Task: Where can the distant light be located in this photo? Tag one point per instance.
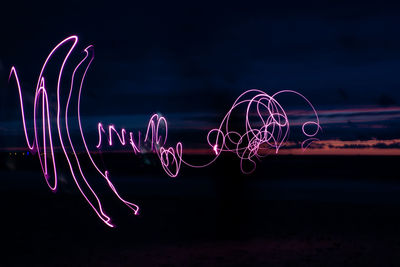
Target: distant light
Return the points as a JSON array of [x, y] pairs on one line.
[[15, 153], [27, 153], [23, 153], [215, 149]]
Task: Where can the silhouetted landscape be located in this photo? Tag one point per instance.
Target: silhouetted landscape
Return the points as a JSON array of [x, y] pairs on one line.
[[317, 215]]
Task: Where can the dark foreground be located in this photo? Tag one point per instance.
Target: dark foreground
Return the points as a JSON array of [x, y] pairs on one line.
[[294, 211]]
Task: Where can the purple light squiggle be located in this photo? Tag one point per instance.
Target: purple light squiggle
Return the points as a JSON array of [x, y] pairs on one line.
[[265, 127], [156, 134], [41, 92]]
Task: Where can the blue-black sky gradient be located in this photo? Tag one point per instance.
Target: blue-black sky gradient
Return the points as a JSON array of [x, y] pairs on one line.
[[189, 61]]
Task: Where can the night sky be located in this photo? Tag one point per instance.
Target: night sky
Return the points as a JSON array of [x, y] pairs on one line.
[[335, 204], [189, 62]]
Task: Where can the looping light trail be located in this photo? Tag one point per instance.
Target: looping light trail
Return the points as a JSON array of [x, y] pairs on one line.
[[265, 127]]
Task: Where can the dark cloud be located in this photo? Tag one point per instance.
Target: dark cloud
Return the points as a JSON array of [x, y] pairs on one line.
[[384, 145]]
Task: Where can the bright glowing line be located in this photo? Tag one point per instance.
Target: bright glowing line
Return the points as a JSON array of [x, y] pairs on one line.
[[156, 134], [41, 92], [248, 143], [254, 139]]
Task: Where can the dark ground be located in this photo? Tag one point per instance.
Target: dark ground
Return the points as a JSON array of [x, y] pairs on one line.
[[293, 211]]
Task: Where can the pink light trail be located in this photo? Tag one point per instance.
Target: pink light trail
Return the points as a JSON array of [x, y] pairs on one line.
[[248, 143]]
